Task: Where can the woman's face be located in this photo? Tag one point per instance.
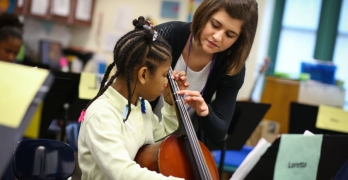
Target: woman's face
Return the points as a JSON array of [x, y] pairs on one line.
[[9, 49], [220, 32]]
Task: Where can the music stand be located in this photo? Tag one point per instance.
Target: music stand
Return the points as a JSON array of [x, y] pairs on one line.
[[333, 155], [246, 117], [304, 117], [63, 91], [11, 135], [76, 108]]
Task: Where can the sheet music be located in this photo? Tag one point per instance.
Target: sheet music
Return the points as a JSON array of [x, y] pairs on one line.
[[88, 87], [83, 10], [33, 128], [251, 159], [332, 118], [16, 96], [61, 7], [298, 157], [39, 7]]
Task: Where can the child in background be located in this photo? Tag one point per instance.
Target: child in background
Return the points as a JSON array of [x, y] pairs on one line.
[[119, 120], [10, 37]]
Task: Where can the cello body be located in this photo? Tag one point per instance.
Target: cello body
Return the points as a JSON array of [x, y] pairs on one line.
[[180, 154], [170, 158]]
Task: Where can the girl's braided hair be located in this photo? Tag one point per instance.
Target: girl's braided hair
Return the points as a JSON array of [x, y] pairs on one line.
[[139, 47]]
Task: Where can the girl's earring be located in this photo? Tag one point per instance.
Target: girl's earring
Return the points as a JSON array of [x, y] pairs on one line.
[[229, 52]]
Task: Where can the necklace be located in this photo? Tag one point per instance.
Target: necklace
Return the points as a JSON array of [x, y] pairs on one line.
[[210, 70]]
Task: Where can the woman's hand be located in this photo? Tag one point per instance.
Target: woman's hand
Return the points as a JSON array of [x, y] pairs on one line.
[[195, 101], [180, 78]]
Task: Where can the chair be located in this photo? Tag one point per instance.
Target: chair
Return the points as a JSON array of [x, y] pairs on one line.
[[342, 172], [43, 159], [231, 158]]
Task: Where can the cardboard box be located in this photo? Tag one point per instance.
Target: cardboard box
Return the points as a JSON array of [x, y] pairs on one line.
[[266, 129]]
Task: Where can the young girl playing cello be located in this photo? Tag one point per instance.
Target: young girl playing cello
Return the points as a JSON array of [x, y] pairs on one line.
[[119, 120]]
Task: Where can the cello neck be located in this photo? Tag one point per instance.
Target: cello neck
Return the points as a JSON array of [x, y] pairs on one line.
[[185, 125]]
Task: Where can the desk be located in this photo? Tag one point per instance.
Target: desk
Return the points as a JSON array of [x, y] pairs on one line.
[[281, 92]]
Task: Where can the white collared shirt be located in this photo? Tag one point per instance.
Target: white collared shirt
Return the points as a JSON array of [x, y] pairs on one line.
[[107, 146]]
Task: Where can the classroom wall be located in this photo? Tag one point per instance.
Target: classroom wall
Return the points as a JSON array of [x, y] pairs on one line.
[[114, 18], [36, 30], [259, 50], [108, 24]]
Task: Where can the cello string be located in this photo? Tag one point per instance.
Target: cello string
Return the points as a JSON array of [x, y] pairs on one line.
[[196, 146], [184, 111], [190, 129], [187, 118]]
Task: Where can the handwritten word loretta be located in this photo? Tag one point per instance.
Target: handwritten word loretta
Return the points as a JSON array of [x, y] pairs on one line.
[[297, 165]]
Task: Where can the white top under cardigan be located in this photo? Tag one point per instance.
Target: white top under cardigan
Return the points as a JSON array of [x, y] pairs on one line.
[[197, 80], [107, 146]]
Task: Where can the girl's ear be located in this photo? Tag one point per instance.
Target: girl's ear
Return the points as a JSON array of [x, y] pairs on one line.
[[143, 75]]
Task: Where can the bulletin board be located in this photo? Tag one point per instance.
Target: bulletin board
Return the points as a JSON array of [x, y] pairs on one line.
[[170, 9], [193, 5]]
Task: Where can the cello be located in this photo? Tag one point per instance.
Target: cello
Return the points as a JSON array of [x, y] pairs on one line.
[[179, 154]]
